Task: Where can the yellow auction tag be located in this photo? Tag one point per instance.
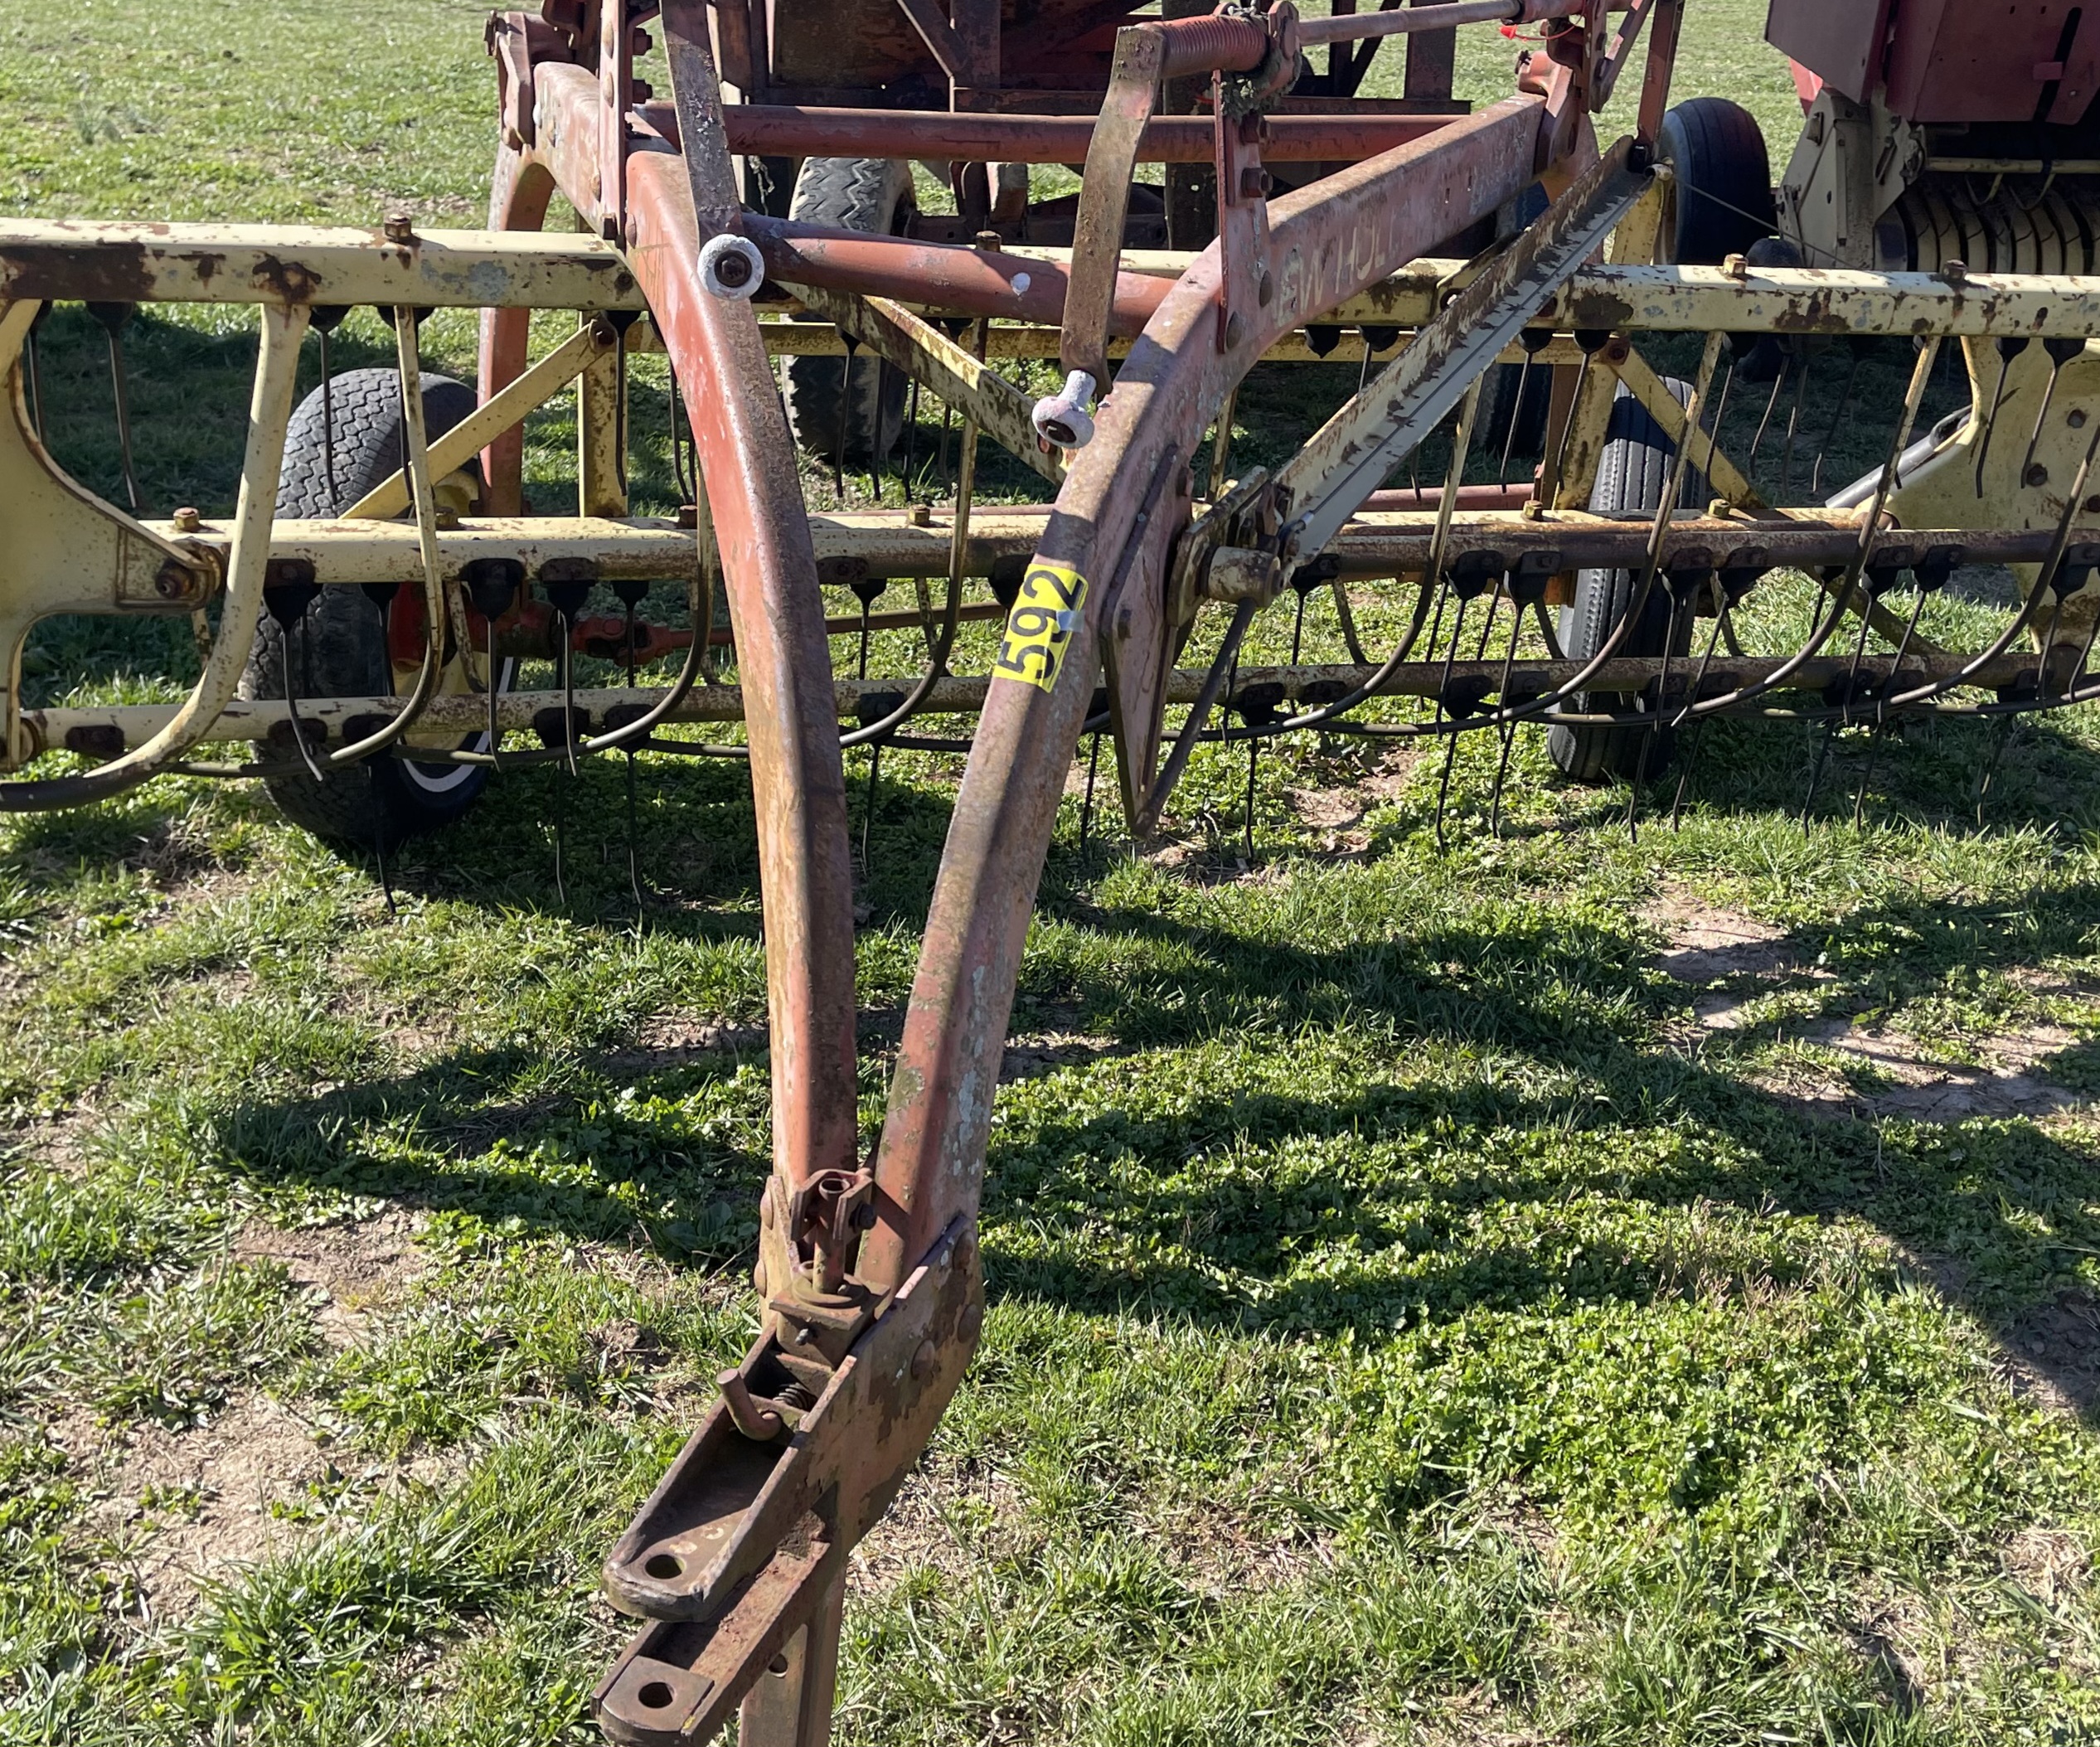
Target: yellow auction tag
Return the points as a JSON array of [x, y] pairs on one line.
[[1045, 614]]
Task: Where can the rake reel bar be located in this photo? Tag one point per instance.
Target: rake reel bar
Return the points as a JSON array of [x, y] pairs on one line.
[[869, 1275]]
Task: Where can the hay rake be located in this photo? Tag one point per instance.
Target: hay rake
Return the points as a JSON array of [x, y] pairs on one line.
[[381, 528]]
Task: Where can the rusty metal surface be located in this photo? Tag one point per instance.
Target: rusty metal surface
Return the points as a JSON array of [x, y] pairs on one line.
[[755, 497], [1329, 241], [1350, 456], [792, 130]]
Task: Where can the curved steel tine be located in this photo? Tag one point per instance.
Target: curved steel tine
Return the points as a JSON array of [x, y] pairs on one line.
[[2061, 350], [2009, 346], [845, 411], [1837, 418], [1655, 728], [32, 373], [1881, 711], [1793, 425], [911, 441], [1516, 418], [1772, 401], [1508, 729]]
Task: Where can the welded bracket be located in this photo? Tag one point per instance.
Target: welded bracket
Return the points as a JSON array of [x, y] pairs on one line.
[[745, 1538]]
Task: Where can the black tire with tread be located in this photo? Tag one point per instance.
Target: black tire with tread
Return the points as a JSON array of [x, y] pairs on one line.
[[340, 649], [1724, 199], [1632, 473], [872, 195]]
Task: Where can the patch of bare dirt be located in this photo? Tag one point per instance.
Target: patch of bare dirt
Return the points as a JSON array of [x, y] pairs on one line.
[[1730, 958], [194, 1502], [1036, 1054], [947, 1520], [1918, 1089], [1338, 813], [2048, 1564], [355, 1267]]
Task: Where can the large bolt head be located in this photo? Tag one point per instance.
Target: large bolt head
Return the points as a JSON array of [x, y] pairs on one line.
[[731, 267]]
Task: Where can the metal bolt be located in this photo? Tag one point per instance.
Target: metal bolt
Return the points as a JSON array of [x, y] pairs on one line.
[[987, 239], [1954, 272], [447, 518], [2037, 475], [1737, 267], [187, 520], [688, 515], [921, 515], [1264, 289], [922, 1361], [1235, 328], [400, 228], [172, 580], [2076, 421]]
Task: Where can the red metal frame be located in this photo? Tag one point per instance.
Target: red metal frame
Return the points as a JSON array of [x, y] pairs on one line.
[[847, 1249]]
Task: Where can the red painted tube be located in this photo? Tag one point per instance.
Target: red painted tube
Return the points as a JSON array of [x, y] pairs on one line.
[[944, 275], [788, 130]]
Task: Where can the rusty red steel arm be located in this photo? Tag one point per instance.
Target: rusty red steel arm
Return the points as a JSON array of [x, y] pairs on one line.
[[945, 275], [1123, 501], [761, 529], [787, 130]]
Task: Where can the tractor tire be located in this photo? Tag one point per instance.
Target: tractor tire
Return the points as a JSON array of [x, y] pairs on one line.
[[1722, 200], [1632, 473], [873, 195], [341, 648]]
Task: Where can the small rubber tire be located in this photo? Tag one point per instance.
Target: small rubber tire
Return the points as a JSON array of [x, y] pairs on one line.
[[872, 195], [1722, 201], [1632, 473], [340, 650]]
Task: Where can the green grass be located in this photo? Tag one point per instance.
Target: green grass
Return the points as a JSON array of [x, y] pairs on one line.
[[1407, 1323]]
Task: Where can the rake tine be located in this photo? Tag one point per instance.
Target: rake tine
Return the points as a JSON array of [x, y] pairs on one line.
[[1253, 757], [1516, 418], [113, 317], [1816, 772], [867, 812], [1881, 713], [1837, 418], [911, 440], [560, 807], [379, 838], [2009, 346], [1450, 740], [875, 435], [1655, 728], [1772, 401], [1509, 729], [1793, 424], [1086, 806], [32, 374], [2061, 350]]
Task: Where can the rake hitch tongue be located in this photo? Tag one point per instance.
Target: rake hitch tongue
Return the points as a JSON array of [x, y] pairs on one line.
[[1129, 597]]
